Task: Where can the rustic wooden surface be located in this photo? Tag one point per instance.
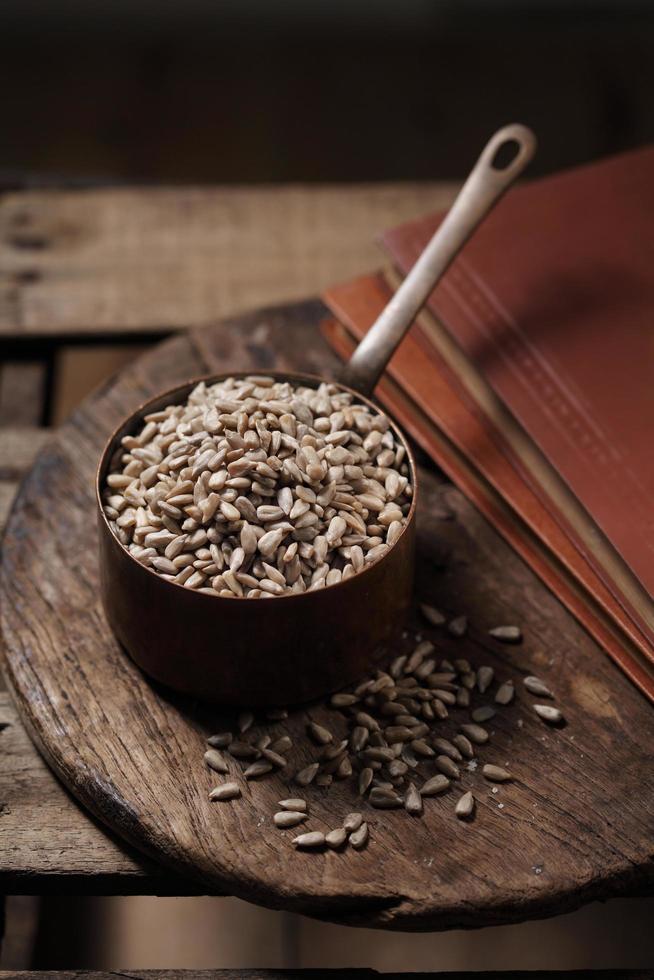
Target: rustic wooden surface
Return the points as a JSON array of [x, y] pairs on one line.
[[50, 844], [323, 975], [576, 824], [137, 260]]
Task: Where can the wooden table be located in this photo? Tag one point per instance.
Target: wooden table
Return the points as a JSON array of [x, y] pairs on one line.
[[84, 267]]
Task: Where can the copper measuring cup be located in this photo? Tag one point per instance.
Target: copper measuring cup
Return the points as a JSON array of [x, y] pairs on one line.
[[292, 648]]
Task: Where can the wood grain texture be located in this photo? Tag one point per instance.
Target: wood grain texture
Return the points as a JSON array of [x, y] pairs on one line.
[[576, 824], [150, 259], [50, 844], [18, 448], [324, 975]]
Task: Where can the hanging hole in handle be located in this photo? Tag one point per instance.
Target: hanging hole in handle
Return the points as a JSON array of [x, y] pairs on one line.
[[506, 154]]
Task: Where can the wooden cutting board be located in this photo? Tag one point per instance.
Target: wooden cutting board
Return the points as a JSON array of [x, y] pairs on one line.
[[576, 824]]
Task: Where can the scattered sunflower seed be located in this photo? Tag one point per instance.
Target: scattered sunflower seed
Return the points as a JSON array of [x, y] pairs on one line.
[[243, 750], [431, 614], [435, 785], [365, 779], [484, 713], [226, 791], [447, 767], [475, 733], [549, 714], [293, 804], [319, 734], [505, 693], [313, 839], [288, 818], [506, 634], [496, 774], [535, 686], [245, 721], [220, 741], [256, 769], [413, 801], [485, 677], [214, 759], [359, 838], [464, 745], [384, 799], [306, 775], [465, 806], [336, 838], [458, 626], [352, 822]]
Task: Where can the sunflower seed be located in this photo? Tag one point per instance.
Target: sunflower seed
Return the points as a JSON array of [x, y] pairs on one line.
[[549, 714], [319, 734], [413, 801], [214, 759], [445, 765], [496, 774], [421, 748], [294, 804], [311, 840], [281, 745], [343, 700], [447, 748], [465, 806], [485, 677], [352, 822], [220, 741], [245, 721], [464, 745], [336, 838], [226, 791], [273, 757], [383, 799], [431, 614], [365, 779], [359, 838], [505, 693], [458, 626], [256, 769], [435, 785], [243, 750], [306, 775], [359, 738], [475, 733], [506, 634], [484, 713], [535, 686], [288, 818]]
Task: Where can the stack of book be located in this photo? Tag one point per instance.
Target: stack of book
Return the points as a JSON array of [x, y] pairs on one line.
[[529, 379]]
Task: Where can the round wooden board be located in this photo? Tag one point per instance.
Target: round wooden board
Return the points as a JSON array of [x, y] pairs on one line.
[[576, 824]]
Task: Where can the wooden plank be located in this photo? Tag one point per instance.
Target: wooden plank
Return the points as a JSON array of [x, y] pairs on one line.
[[22, 390], [575, 824], [49, 843], [18, 447], [348, 974], [80, 263]]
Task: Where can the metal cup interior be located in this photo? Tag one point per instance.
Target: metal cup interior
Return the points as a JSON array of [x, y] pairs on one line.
[[282, 650]]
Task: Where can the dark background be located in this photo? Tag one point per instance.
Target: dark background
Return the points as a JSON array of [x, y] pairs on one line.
[[301, 90]]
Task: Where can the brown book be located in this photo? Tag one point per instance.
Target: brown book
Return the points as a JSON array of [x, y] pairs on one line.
[[437, 411], [552, 304]]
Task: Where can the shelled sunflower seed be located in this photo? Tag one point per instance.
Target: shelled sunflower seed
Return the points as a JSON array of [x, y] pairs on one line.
[[257, 488], [379, 739]]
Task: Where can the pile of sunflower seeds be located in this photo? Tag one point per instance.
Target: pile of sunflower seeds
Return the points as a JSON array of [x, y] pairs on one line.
[[258, 488], [387, 739]]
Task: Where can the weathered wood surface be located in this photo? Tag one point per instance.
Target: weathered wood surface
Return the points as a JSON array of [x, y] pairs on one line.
[[325, 975], [133, 260], [575, 825], [18, 448], [50, 844]]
